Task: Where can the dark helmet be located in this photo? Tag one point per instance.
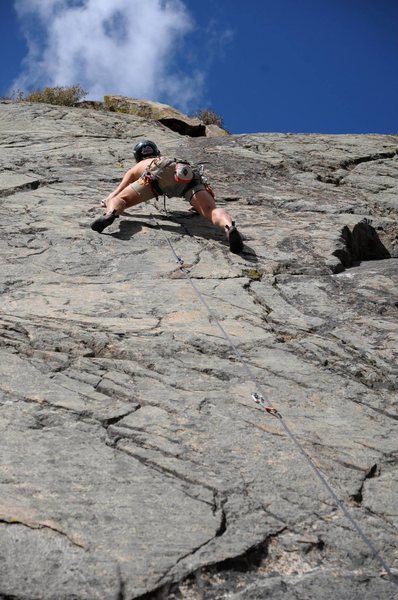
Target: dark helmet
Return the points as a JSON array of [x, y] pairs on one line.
[[145, 149]]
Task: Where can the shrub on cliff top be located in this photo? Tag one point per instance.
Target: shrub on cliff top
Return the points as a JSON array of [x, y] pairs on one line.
[[61, 96], [209, 117]]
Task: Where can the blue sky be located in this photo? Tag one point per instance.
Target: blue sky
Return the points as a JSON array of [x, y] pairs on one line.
[[327, 66]]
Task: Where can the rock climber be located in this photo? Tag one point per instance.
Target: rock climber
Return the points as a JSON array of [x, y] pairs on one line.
[[154, 175]]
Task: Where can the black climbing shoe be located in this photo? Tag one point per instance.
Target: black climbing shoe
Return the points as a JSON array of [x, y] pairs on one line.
[[104, 221], [234, 239]]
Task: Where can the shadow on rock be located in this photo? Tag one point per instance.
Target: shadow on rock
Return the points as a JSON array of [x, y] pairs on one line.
[[127, 229], [366, 244], [177, 222], [249, 254], [362, 243]]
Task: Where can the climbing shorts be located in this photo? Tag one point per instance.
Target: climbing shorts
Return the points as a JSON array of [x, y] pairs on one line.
[[159, 179]]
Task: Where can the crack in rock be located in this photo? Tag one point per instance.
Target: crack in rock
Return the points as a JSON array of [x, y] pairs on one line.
[[11, 521], [206, 577], [372, 472]]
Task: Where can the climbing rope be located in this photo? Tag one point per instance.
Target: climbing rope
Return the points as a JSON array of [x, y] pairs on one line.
[[258, 397]]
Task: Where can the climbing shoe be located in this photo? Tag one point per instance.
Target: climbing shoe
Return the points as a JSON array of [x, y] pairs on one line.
[[104, 221], [234, 238]]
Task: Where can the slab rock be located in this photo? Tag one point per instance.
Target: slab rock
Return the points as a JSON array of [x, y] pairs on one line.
[[163, 113], [134, 462]]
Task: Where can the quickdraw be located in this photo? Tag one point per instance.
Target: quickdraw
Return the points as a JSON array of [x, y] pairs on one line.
[[258, 399]]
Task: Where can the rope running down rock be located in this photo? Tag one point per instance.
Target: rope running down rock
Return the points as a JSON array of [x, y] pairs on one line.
[[258, 398]]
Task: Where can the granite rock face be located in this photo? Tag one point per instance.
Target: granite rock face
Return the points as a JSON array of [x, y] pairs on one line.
[[156, 111], [134, 463], [163, 113]]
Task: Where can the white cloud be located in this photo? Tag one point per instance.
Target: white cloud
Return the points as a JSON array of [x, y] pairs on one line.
[[218, 39], [126, 47]]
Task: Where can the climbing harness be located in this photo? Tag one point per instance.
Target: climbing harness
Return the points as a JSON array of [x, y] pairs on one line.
[[176, 181], [148, 179], [188, 178], [205, 181], [258, 398]]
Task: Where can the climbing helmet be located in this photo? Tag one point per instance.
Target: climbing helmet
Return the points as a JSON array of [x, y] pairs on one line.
[[145, 149]]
